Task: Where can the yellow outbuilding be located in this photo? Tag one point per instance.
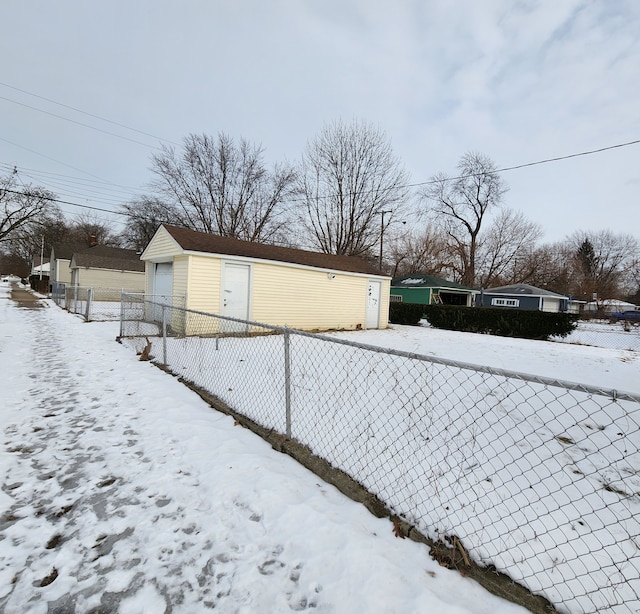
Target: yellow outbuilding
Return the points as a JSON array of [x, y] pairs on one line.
[[264, 283]]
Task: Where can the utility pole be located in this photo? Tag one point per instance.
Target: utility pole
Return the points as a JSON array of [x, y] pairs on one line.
[[381, 236], [41, 258]]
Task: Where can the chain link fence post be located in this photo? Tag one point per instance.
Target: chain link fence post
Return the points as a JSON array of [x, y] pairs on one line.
[[287, 380], [122, 297], [87, 310], [164, 334]]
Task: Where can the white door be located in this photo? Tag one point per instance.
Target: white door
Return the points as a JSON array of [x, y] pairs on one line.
[[235, 295], [162, 287], [372, 319]]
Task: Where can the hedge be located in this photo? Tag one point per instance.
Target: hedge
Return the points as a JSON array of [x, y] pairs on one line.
[[406, 313], [500, 321]]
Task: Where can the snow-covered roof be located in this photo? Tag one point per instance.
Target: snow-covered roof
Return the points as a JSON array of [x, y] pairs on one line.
[[45, 268], [523, 290], [609, 305], [426, 281]]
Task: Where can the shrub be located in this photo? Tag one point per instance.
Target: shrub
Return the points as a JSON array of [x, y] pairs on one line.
[[500, 321], [406, 313]]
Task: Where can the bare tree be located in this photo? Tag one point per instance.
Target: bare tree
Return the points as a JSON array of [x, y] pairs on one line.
[[349, 176], [423, 252], [145, 214], [38, 234], [547, 266], [88, 229], [603, 263], [219, 187], [461, 204], [16, 265], [634, 281], [509, 238], [19, 205]]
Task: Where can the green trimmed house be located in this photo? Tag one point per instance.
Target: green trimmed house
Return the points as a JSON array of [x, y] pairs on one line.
[[430, 290]]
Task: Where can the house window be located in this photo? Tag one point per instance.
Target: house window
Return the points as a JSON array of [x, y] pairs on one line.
[[505, 302], [395, 298]]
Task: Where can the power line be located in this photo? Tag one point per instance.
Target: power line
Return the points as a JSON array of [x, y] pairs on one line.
[[73, 121], [104, 119], [527, 164], [62, 189], [37, 153], [66, 202], [429, 182], [107, 185], [575, 155]]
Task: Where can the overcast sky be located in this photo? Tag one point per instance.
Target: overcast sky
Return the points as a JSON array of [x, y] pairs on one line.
[[518, 80]]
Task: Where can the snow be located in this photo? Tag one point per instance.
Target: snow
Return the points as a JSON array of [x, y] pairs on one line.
[[122, 491], [622, 335], [412, 281], [540, 481], [604, 367]]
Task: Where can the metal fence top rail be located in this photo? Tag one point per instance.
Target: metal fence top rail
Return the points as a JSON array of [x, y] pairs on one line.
[[615, 395]]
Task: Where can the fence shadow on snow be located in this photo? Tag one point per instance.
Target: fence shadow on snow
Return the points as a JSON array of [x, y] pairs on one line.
[[537, 478]]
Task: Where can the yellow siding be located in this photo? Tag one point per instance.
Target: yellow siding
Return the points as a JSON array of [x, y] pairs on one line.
[[280, 295], [63, 272], [148, 268], [180, 275], [385, 299], [107, 278], [310, 300], [161, 248], [204, 283]]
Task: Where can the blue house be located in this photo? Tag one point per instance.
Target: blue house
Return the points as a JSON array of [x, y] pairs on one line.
[[524, 296]]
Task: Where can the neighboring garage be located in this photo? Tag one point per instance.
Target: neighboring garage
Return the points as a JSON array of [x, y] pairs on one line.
[[430, 290]]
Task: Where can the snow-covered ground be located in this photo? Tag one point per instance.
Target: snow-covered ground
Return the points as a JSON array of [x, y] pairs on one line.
[[541, 481], [122, 491], [621, 335], [597, 366]]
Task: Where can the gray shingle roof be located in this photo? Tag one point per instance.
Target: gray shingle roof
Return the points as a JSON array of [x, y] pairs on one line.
[[64, 251], [89, 258]]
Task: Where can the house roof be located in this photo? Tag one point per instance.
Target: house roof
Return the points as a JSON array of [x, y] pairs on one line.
[[37, 262], [45, 267], [523, 290], [426, 281], [112, 252], [65, 251], [89, 258], [191, 240], [609, 304]]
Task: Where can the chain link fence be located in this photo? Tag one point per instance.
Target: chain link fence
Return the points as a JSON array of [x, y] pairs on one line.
[[612, 333], [535, 477], [98, 304]]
